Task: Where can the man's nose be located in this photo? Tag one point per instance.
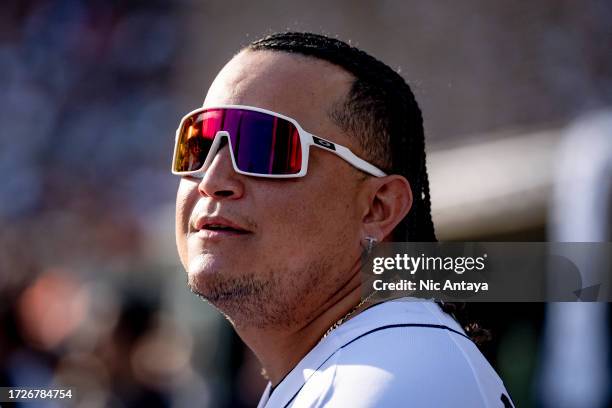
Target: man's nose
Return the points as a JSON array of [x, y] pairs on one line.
[[220, 181]]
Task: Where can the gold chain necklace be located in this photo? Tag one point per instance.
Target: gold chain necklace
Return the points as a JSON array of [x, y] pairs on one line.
[[346, 316]]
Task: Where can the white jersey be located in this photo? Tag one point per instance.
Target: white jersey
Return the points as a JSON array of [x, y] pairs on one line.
[[402, 353]]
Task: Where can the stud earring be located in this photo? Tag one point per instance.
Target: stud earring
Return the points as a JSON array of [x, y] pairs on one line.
[[370, 244]]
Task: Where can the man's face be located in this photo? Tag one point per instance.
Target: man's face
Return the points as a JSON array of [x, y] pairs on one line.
[[303, 234]]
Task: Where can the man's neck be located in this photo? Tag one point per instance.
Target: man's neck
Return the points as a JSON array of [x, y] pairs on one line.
[[280, 350]]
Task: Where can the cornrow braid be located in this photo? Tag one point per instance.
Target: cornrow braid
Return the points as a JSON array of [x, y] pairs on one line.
[[381, 112]]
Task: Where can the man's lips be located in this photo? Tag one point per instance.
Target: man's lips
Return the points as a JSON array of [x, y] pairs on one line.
[[216, 225]]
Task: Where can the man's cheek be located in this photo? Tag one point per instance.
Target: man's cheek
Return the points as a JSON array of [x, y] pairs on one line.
[[182, 225]]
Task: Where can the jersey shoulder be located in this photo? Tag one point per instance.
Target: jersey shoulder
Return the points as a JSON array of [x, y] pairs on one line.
[[411, 366]]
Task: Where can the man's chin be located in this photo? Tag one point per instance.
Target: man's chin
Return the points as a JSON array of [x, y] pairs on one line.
[[221, 286], [250, 298], [242, 299], [206, 283]]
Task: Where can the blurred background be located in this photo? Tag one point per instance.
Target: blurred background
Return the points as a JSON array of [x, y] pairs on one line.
[[515, 98]]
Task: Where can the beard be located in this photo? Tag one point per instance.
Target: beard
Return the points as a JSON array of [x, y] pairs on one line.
[[281, 298]]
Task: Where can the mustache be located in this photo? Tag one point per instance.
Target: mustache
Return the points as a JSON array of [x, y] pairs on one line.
[[215, 209]]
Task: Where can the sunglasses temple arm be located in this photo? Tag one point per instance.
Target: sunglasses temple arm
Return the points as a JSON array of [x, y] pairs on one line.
[[356, 161], [346, 154]]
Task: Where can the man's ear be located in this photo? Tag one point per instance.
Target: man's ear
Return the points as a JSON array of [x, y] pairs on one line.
[[388, 200]]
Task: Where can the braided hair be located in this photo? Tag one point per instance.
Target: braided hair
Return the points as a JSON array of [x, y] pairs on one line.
[[380, 112]]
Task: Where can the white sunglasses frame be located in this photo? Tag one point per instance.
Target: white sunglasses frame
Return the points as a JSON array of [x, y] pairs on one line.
[[306, 140]]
